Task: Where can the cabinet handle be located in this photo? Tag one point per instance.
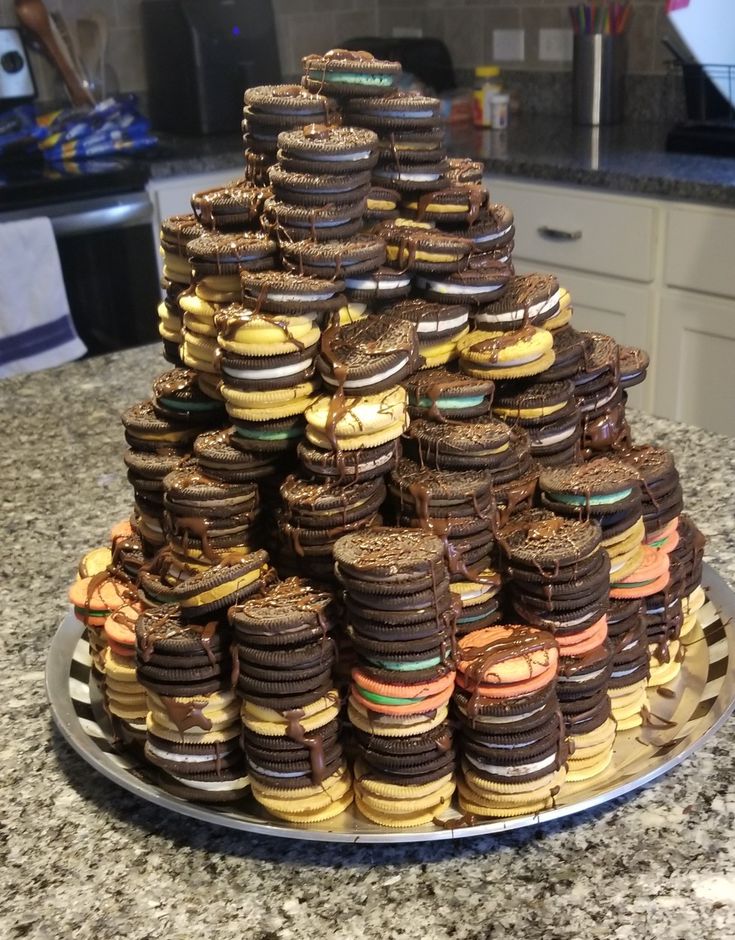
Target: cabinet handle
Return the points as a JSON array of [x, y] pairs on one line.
[[558, 234]]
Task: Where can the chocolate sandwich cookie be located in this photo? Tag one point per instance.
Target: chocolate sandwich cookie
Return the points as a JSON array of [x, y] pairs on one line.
[[464, 170], [410, 177], [275, 438], [270, 109], [426, 493], [481, 279], [633, 365], [549, 413], [318, 189], [397, 111], [480, 444], [570, 351], [234, 578], [491, 232], [176, 233], [326, 221], [597, 383], [219, 255], [389, 559], [342, 466], [332, 149], [163, 632], [349, 73], [418, 247], [441, 395], [460, 202], [381, 203], [379, 286], [360, 254], [368, 356], [661, 491], [434, 322], [205, 518], [291, 613], [528, 298], [598, 488], [316, 514], [177, 395], [146, 431], [287, 105], [402, 147], [234, 207], [220, 458], [268, 372], [283, 292]]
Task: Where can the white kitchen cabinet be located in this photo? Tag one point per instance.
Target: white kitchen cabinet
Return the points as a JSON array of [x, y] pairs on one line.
[[695, 378], [654, 274], [574, 228]]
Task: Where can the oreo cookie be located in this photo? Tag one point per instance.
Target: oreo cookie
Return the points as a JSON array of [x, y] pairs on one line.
[[234, 207], [399, 110], [414, 247], [360, 254], [480, 445], [349, 73], [528, 298], [460, 202], [440, 394], [283, 292], [321, 148], [480, 280], [368, 356]]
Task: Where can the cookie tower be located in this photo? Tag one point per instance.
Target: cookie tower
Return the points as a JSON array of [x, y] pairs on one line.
[[364, 387]]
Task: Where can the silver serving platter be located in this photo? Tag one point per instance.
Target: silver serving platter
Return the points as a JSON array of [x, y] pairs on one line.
[[703, 699]]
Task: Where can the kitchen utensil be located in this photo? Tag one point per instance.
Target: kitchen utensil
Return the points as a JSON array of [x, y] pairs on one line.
[[34, 16]]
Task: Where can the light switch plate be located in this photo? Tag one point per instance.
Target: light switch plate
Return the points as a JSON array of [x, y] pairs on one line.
[[555, 45], [508, 45]]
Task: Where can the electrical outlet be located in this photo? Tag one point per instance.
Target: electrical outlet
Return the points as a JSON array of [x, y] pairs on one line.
[[555, 45], [407, 32], [508, 45]]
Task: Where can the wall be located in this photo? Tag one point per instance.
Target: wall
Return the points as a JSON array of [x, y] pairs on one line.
[[314, 25], [467, 25]]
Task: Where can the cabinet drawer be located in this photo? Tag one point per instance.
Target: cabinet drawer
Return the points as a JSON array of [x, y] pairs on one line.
[[602, 235], [699, 250]]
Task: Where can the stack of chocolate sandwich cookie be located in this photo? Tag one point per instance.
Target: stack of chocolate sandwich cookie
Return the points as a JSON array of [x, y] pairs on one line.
[[193, 722], [124, 696], [290, 707], [399, 615], [270, 109], [558, 578], [176, 232], [512, 737]]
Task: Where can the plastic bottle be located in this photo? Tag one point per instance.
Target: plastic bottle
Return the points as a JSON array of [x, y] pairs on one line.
[[487, 85]]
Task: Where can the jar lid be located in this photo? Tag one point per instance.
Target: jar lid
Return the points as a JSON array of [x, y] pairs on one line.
[[487, 71]]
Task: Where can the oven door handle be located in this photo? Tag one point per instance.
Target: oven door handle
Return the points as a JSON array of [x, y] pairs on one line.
[[118, 212]]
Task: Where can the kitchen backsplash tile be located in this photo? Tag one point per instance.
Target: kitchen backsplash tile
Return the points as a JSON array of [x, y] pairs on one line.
[[308, 25]]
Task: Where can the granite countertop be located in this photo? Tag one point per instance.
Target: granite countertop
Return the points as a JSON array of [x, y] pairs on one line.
[[629, 158], [85, 859]]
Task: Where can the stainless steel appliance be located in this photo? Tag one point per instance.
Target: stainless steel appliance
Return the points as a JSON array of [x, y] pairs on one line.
[[201, 55], [102, 219], [16, 77]]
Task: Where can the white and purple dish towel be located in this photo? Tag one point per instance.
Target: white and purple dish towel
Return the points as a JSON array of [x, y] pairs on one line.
[[36, 328]]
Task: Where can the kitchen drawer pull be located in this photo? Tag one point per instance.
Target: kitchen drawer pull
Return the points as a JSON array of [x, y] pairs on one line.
[[559, 234]]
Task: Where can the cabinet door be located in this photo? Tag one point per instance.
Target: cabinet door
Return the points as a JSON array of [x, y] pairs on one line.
[[621, 310], [613, 236], [699, 249], [695, 381]]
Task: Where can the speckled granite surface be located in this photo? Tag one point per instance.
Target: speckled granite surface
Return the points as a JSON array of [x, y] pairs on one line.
[[83, 859], [629, 158]]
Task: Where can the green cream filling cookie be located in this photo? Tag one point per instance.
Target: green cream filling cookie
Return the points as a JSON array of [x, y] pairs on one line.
[[406, 667], [573, 499], [351, 78], [270, 435], [449, 403], [385, 699]]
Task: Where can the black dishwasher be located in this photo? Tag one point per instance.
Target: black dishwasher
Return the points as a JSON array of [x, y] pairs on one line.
[[102, 219]]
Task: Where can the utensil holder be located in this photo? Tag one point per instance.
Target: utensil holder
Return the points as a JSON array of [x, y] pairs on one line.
[[598, 79]]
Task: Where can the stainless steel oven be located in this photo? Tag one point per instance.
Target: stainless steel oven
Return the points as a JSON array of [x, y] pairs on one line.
[[102, 217]]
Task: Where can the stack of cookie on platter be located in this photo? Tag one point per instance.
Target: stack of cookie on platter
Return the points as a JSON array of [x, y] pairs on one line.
[[376, 437]]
